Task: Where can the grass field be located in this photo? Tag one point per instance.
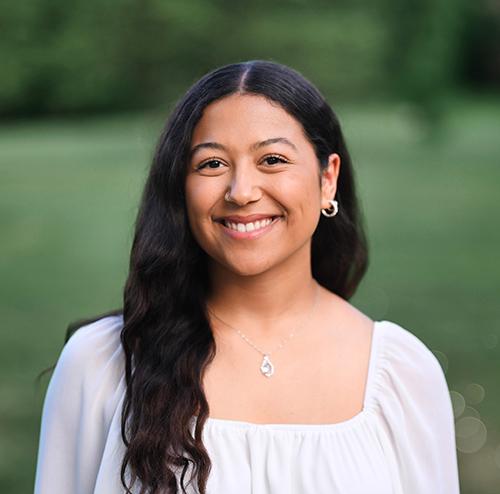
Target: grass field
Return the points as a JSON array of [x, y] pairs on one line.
[[68, 199]]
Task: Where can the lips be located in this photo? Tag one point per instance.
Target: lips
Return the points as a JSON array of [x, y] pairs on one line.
[[250, 226], [245, 219]]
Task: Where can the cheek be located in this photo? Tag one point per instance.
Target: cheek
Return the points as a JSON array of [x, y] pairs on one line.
[[195, 204], [200, 201], [303, 196]]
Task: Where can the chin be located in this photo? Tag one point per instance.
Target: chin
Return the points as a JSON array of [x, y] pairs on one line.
[[250, 267]]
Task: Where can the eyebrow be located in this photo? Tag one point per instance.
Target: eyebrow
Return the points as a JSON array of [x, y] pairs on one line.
[[253, 147]]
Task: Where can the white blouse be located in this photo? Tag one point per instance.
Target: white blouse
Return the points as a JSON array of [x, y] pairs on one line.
[[402, 442]]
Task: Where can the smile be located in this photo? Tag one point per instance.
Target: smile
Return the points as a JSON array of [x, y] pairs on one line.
[[250, 229]]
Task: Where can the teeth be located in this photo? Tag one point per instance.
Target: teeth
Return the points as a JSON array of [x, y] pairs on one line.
[[248, 227]]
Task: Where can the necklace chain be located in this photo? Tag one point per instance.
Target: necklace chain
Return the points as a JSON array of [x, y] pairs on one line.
[[267, 367]]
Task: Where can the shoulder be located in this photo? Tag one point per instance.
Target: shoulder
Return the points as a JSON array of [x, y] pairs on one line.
[[415, 411], [402, 345], [91, 349], [405, 362], [94, 341], [80, 406]]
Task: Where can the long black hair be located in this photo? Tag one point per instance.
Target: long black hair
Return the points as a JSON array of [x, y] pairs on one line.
[[166, 336]]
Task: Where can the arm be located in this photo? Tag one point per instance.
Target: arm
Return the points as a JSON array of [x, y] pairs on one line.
[[419, 412], [74, 422]]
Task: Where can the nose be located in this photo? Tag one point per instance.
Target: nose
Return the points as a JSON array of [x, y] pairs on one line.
[[244, 186]]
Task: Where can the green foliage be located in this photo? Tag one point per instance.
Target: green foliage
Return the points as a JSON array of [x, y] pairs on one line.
[[480, 45], [94, 55], [341, 50], [89, 55]]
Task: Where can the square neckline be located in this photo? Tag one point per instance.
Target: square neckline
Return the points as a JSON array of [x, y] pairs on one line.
[[367, 401]]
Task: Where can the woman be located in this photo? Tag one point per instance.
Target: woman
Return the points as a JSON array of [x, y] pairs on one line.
[[237, 363]]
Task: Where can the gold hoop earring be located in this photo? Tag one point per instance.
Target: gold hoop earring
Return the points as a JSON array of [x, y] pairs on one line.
[[335, 207]]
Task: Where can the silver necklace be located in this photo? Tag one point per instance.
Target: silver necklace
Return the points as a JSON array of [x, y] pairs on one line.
[[266, 366]]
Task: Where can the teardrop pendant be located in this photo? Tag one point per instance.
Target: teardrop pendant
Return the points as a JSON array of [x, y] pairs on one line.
[[267, 368]]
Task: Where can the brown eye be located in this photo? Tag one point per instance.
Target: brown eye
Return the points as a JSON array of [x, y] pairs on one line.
[[212, 164], [274, 159]]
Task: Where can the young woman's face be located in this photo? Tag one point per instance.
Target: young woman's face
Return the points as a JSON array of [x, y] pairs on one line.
[[257, 154]]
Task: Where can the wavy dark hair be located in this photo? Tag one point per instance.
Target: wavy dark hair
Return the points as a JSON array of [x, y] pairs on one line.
[[166, 336]]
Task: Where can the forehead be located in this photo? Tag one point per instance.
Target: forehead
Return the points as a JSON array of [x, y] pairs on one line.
[[244, 118]]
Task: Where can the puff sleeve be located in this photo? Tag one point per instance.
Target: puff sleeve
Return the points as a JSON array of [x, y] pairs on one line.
[[81, 398], [417, 414]]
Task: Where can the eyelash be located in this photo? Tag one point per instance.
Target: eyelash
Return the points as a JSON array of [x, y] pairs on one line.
[[209, 160]]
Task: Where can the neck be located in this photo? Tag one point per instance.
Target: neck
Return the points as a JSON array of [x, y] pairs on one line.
[[263, 303]]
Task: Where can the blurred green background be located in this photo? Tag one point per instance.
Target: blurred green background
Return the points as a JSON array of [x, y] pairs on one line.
[[85, 88]]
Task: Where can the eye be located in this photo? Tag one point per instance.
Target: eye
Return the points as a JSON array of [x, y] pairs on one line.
[[212, 164], [274, 159]]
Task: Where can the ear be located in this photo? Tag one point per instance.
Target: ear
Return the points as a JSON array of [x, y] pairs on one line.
[[329, 180]]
